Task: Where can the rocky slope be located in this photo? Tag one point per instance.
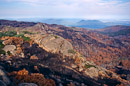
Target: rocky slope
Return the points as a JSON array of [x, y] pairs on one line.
[[109, 52], [103, 50], [123, 34], [120, 32], [27, 59], [114, 28]]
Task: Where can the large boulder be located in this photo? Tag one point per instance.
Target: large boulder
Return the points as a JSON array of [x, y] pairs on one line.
[[4, 77], [10, 48], [27, 84], [2, 83], [53, 43]]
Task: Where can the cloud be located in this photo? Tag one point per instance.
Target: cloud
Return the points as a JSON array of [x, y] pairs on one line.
[[76, 8], [28, 1]]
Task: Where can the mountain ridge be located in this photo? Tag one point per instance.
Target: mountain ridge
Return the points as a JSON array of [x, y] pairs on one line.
[[83, 23]]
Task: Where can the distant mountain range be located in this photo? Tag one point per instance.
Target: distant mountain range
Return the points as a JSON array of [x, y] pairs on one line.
[[90, 24]]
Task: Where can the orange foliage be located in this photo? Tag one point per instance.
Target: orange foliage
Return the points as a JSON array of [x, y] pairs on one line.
[[12, 40], [71, 84], [126, 63], [22, 72], [23, 76], [31, 42], [78, 60], [34, 58], [19, 49]]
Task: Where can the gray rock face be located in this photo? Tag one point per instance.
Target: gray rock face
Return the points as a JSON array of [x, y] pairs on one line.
[[4, 77], [92, 72], [10, 48], [128, 77], [27, 84], [53, 43], [2, 83]]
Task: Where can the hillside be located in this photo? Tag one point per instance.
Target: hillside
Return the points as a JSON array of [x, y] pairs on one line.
[[90, 44], [27, 61], [119, 31], [116, 28], [105, 51]]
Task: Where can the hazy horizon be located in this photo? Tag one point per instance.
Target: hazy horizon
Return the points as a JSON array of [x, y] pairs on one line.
[[32, 19]]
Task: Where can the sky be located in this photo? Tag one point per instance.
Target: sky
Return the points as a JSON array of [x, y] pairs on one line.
[[89, 9]]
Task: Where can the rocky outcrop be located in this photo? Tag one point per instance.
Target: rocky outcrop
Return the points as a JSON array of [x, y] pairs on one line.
[[4, 78], [27, 84], [10, 48], [52, 43], [98, 73], [2, 83]]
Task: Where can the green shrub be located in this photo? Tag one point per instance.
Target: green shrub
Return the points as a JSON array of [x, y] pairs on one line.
[[1, 34], [27, 32], [1, 47], [8, 52], [56, 36], [26, 38], [19, 35], [2, 52], [71, 51], [10, 33], [82, 56], [89, 66], [22, 36]]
